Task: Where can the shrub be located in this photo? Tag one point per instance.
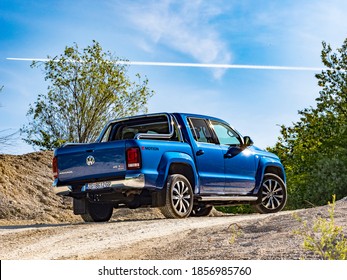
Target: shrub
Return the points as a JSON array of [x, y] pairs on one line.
[[324, 238]]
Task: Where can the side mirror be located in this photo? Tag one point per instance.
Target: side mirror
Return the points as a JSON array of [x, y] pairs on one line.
[[247, 141]]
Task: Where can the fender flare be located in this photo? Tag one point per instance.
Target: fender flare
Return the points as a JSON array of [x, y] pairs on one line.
[[268, 165], [166, 162]]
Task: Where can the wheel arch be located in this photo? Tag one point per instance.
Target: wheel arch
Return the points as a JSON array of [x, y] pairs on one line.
[[184, 169], [268, 167], [277, 170], [177, 163]]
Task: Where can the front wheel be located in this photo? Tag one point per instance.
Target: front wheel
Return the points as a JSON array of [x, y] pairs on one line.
[[273, 195], [178, 197], [97, 212]]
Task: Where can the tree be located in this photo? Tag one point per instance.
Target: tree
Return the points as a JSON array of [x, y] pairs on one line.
[[314, 149], [5, 138], [87, 88]]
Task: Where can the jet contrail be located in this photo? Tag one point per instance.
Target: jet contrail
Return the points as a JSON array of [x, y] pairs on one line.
[[197, 65]]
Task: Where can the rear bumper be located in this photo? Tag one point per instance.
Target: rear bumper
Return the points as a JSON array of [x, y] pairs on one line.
[[134, 181]]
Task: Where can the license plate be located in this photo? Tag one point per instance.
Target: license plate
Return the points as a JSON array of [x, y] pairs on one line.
[[98, 185]]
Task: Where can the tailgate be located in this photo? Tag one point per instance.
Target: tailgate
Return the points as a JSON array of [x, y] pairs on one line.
[[79, 163]]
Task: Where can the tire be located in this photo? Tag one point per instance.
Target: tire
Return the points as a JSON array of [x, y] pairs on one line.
[[201, 211], [97, 212], [178, 197], [273, 195]]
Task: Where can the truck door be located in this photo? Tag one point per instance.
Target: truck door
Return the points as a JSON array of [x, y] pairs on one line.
[[209, 157], [239, 162]]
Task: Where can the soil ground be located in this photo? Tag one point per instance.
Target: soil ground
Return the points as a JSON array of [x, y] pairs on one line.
[[37, 224]]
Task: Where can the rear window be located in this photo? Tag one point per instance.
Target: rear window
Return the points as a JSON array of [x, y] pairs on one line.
[[128, 129]]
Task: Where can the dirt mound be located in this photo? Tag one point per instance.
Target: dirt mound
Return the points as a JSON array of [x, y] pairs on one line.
[[26, 193]]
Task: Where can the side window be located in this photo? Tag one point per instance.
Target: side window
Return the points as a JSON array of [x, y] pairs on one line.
[[201, 131], [225, 134]]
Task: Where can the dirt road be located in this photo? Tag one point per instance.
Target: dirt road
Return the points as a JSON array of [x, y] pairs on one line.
[[66, 241], [127, 239], [147, 235]]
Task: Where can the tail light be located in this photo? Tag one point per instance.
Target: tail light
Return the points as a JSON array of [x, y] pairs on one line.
[[133, 158], [55, 167]]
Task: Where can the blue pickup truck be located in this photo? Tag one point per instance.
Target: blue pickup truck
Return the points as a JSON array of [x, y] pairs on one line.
[[182, 163]]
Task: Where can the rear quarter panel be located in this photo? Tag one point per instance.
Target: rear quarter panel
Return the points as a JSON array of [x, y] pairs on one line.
[[158, 155]]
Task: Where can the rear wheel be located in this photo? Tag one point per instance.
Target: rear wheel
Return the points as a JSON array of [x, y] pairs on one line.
[[97, 212], [178, 197], [273, 194]]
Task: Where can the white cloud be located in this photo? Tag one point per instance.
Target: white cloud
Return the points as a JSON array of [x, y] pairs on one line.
[[183, 26]]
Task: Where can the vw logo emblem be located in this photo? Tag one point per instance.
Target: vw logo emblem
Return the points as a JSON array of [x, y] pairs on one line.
[[90, 160]]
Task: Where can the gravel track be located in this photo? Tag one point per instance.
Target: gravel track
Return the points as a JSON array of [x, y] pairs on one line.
[[81, 240]]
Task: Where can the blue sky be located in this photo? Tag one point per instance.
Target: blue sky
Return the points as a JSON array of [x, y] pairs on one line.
[[255, 102]]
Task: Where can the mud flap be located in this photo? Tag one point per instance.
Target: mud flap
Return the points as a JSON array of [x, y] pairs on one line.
[[79, 206], [159, 198]]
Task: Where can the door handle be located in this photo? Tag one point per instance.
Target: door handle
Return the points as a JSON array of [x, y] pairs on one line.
[[200, 152]]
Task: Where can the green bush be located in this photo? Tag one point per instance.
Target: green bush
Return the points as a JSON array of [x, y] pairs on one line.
[[324, 238]]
